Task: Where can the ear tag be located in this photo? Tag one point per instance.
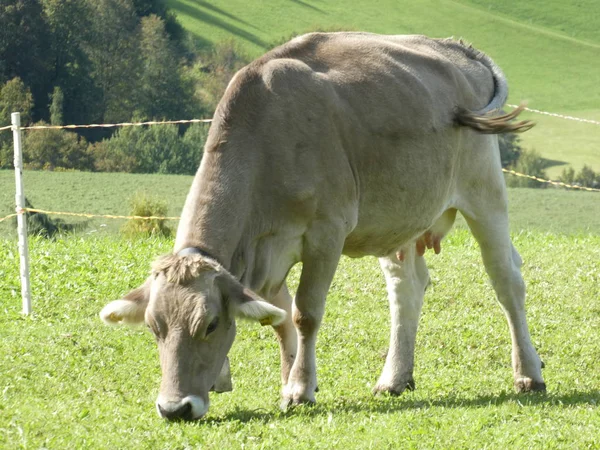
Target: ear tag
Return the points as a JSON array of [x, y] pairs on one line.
[[266, 321]]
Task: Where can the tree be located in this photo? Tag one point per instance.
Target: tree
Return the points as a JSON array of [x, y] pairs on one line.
[[161, 92], [56, 106], [113, 53], [70, 26], [24, 48], [14, 97]]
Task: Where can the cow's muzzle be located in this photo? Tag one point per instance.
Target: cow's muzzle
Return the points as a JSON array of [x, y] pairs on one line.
[[191, 407]]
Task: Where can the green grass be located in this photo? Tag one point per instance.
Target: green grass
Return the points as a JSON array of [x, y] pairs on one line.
[[548, 50], [68, 381]]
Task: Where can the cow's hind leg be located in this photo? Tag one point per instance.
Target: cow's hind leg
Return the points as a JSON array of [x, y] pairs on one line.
[[503, 265], [286, 333], [406, 282]]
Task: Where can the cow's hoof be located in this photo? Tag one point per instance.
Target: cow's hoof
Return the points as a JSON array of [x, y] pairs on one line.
[[529, 385], [289, 403], [295, 394], [393, 390]]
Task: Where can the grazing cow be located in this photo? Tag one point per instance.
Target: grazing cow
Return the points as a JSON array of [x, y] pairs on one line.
[[334, 143]]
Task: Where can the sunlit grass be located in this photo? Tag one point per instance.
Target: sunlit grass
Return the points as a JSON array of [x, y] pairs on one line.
[[68, 381]]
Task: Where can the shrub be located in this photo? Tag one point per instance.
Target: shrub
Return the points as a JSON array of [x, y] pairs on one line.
[[529, 163], [155, 149], [55, 149], [567, 175], [586, 177], [144, 205]]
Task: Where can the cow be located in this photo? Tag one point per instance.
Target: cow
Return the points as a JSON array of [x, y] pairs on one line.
[[334, 143]]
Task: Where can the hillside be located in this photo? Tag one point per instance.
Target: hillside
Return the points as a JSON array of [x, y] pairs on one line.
[[549, 51]]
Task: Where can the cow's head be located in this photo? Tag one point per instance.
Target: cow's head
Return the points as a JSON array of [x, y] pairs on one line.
[[190, 303]]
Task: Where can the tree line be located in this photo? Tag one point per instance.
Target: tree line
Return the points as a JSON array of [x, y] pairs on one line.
[[105, 61]]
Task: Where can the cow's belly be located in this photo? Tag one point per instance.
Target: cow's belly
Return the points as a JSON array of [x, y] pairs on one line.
[[388, 220]]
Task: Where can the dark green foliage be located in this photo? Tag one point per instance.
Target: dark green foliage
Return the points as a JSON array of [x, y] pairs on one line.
[[585, 177], [147, 206], [510, 148], [40, 224], [213, 70], [14, 96], [25, 48], [161, 91], [56, 106], [55, 149], [529, 163], [155, 149]]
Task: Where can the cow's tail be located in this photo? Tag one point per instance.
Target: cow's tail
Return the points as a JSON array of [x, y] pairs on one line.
[[491, 119]]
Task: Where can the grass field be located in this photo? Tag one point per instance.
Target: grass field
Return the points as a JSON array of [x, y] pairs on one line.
[[68, 381], [549, 51]]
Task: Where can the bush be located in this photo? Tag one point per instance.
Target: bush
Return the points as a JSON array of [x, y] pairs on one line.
[[586, 177], [155, 149], [529, 163], [144, 205], [55, 149]]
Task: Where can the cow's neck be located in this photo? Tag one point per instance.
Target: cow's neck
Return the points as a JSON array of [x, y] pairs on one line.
[[217, 207]]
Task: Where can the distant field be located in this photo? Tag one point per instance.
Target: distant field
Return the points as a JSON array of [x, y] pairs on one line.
[[546, 210], [548, 50]]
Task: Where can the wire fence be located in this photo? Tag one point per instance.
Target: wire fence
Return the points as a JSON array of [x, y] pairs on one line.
[[189, 121]]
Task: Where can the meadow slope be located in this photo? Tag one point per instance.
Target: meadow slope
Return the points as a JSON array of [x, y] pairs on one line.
[[549, 51]]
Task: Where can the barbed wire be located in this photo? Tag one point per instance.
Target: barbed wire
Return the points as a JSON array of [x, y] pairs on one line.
[[561, 116]]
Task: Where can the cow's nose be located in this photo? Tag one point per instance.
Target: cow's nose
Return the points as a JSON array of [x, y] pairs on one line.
[[182, 411], [191, 407]]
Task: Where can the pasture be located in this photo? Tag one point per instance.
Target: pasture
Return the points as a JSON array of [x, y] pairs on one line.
[[549, 50], [68, 381]]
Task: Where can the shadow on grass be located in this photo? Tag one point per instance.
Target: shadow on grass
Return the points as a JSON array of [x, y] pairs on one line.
[[546, 163], [306, 5], [217, 10], [206, 17], [386, 404]]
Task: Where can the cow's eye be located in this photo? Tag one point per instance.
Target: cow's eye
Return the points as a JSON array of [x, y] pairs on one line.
[[212, 326]]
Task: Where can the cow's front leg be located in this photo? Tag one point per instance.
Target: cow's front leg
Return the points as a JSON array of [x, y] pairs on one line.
[[286, 333], [406, 282], [319, 264]]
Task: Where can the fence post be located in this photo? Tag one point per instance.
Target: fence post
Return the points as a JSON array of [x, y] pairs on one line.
[[21, 220]]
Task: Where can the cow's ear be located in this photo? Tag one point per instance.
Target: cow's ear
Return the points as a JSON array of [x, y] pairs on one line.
[[245, 304], [130, 309]]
